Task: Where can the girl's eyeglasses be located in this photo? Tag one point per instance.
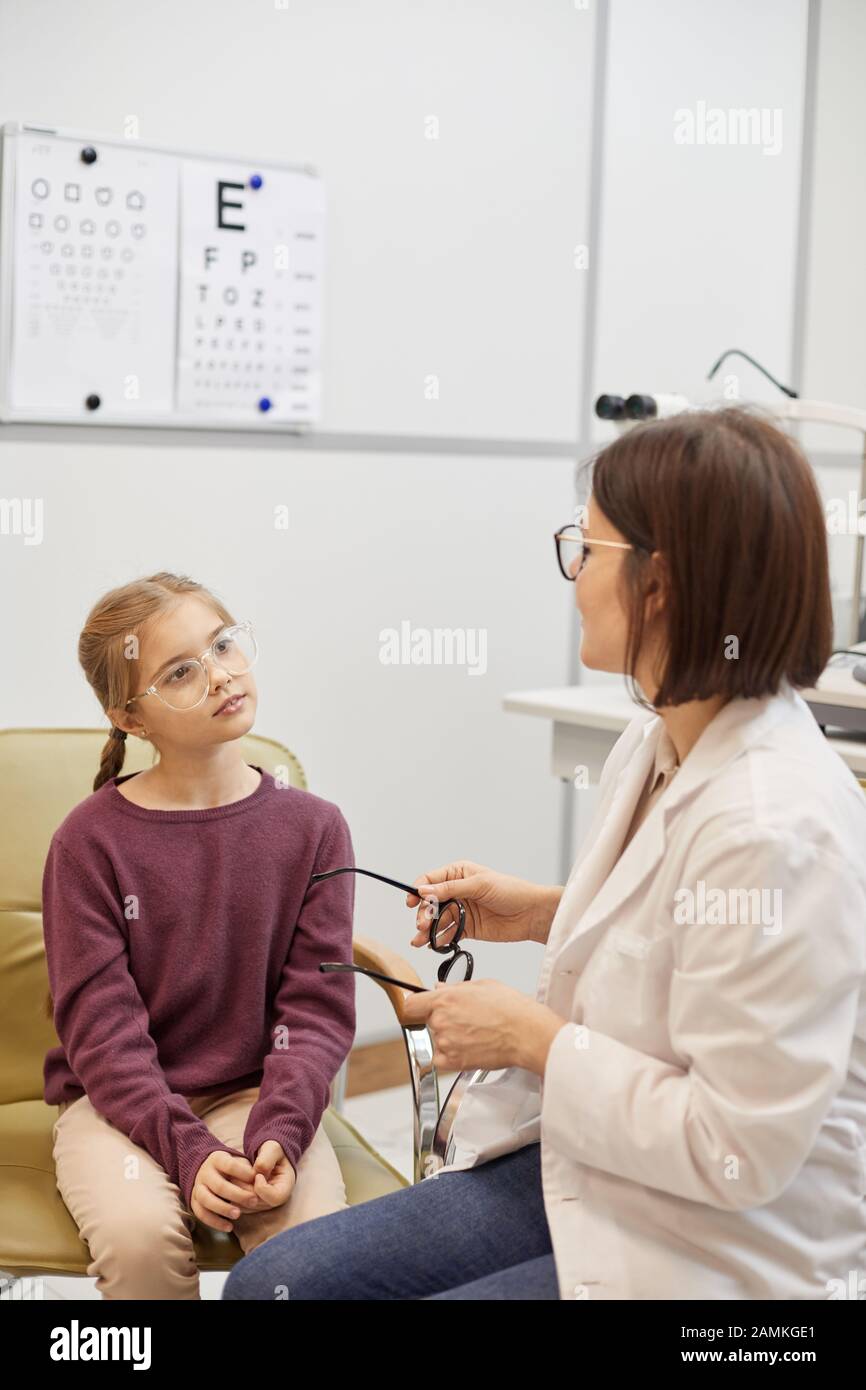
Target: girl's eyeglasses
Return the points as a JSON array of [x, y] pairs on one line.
[[572, 546], [447, 925], [185, 684]]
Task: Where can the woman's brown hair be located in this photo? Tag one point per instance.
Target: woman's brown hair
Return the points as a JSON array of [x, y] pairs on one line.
[[106, 654], [732, 504]]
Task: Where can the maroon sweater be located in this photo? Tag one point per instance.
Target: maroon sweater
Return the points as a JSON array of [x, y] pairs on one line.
[[183, 950]]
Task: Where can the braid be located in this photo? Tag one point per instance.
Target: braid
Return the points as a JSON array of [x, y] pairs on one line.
[[111, 761]]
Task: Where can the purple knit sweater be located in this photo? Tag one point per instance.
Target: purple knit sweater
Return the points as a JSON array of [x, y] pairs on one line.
[[183, 950]]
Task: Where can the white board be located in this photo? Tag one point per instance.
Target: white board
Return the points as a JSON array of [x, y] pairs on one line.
[[144, 286]]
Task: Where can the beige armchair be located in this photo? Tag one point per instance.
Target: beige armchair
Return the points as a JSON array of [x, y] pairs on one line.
[[43, 774]]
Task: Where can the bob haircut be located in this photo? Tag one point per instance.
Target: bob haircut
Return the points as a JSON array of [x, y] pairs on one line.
[[732, 504]]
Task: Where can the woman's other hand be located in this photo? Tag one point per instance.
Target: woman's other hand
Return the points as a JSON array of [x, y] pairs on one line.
[[484, 1023], [499, 907]]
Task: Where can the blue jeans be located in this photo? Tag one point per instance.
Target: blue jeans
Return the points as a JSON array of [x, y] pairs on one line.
[[480, 1233]]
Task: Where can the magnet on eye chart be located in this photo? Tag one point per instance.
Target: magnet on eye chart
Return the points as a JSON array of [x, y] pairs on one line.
[[88, 155], [265, 403], [93, 402], [256, 180]]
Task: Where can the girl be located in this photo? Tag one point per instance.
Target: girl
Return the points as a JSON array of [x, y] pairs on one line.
[[198, 1038]]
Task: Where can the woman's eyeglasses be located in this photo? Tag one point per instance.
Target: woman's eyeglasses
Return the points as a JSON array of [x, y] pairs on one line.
[[447, 925], [572, 546], [185, 683]]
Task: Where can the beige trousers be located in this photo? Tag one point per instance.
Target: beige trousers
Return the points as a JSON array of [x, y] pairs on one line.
[[133, 1217]]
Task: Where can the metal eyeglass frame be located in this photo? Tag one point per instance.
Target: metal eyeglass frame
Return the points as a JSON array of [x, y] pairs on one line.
[[562, 535], [452, 947], [199, 661]]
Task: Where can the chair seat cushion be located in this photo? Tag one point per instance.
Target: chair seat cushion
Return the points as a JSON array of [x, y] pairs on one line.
[[38, 1235]]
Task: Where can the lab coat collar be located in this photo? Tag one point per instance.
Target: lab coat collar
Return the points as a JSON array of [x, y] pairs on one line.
[[738, 725], [606, 879]]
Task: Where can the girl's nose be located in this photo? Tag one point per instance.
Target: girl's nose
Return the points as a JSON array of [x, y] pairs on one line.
[[218, 675]]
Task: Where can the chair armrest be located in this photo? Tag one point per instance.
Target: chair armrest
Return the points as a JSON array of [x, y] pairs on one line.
[[432, 1121], [429, 1137], [374, 956]]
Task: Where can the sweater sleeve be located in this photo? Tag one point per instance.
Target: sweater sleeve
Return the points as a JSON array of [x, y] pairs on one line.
[[313, 1019], [102, 1022]]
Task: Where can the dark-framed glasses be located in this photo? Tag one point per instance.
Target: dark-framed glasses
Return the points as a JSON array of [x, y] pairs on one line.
[[447, 925], [185, 683], [572, 546]]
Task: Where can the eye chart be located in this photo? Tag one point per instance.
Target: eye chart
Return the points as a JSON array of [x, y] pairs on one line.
[[251, 271], [145, 286]]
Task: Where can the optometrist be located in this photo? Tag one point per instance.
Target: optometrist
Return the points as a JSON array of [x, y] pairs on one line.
[[680, 1111]]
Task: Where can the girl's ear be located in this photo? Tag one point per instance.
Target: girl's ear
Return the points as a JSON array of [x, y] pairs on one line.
[[122, 719]]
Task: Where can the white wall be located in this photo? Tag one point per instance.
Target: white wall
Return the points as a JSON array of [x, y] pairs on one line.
[[698, 242], [835, 357], [452, 257], [834, 362], [700, 245]]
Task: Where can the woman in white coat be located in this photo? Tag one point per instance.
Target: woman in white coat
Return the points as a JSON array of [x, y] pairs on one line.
[[680, 1112]]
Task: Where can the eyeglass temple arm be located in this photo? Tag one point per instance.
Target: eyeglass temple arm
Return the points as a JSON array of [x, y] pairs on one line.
[[395, 883], [329, 966]]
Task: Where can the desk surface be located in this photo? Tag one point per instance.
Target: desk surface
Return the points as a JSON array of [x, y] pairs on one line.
[[610, 708], [593, 707]]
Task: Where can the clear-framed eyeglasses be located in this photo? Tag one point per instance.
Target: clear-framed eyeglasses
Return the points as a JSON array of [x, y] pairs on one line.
[[572, 547], [184, 685]]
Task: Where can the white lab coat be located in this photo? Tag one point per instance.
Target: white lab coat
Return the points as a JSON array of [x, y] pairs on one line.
[[702, 1114]]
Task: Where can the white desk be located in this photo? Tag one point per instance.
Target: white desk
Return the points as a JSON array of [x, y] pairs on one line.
[[587, 721]]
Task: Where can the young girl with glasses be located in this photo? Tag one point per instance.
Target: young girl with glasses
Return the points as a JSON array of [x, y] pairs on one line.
[[198, 1038]]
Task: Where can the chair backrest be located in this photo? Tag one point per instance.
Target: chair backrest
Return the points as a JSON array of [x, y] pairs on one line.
[[43, 774]]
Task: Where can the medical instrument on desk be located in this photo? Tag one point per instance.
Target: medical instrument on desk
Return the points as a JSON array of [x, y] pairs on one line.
[[661, 405], [455, 928], [851, 659], [795, 410], [640, 406], [738, 352], [838, 699]]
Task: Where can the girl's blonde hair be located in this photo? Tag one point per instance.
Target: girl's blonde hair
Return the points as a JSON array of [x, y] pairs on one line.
[[104, 651], [103, 647]]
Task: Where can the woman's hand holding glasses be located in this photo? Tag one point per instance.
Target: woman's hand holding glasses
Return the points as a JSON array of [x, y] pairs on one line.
[[479, 1023], [499, 907]]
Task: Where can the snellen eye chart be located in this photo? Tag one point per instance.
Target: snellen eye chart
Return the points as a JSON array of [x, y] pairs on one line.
[[143, 286]]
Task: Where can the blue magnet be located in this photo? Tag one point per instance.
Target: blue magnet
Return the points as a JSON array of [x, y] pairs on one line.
[[256, 180], [264, 403]]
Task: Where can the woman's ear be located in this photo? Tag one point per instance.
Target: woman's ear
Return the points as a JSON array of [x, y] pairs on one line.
[[656, 586]]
